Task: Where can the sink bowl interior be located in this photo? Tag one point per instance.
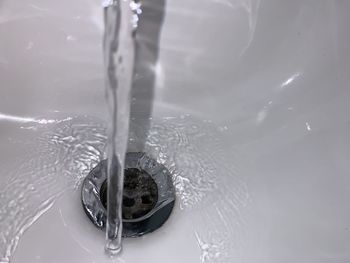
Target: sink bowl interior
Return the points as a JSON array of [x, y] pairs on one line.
[[249, 113]]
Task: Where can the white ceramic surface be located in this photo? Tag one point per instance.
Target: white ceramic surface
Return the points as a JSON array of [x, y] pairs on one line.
[[271, 77]]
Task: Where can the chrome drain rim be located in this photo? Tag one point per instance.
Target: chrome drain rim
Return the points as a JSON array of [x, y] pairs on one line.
[[149, 222]]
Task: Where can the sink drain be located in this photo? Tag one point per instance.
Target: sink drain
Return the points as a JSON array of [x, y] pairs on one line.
[[140, 194], [148, 196]]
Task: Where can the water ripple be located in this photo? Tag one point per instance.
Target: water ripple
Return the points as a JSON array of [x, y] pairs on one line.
[[56, 161]]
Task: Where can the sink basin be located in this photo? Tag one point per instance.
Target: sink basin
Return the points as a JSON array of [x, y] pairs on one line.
[[249, 107]]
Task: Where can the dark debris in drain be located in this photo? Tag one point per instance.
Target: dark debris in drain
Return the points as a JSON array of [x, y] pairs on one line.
[[140, 193]]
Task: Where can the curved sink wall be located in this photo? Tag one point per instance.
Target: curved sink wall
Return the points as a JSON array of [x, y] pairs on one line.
[[258, 88]]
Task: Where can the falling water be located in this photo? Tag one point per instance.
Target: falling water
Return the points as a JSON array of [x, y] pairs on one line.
[[121, 18]]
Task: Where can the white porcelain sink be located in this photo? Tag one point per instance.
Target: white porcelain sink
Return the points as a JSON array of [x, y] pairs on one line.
[[250, 114]]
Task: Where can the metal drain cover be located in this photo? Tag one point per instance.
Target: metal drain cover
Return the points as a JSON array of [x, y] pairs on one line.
[[148, 197]]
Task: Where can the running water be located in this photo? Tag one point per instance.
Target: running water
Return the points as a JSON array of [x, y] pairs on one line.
[[121, 18]]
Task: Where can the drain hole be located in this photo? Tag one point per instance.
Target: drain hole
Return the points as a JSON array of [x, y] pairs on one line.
[[128, 202], [140, 193], [146, 199]]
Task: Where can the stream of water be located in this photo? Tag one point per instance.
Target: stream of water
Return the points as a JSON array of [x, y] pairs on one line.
[[121, 18]]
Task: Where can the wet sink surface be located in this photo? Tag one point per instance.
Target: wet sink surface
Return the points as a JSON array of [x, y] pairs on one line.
[[249, 114]]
